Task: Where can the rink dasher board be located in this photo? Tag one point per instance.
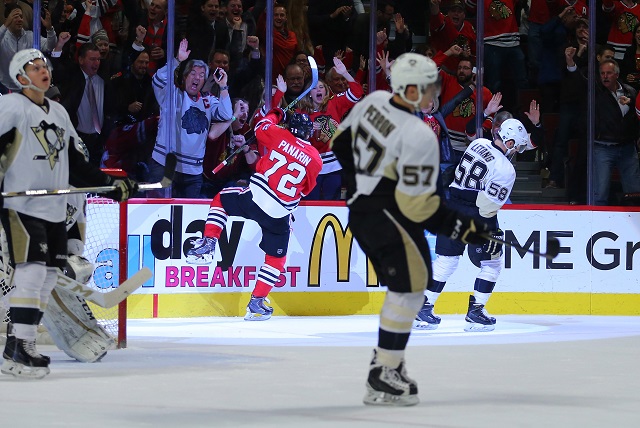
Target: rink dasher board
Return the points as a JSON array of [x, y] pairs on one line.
[[597, 256]]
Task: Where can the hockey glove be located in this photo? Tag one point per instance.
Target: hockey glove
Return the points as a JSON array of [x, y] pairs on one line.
[[125, 189], [469, 230], [493, 248], [279, 113]]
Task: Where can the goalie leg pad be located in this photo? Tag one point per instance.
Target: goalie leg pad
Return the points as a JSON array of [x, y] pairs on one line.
[[92, 346], [74, 329]]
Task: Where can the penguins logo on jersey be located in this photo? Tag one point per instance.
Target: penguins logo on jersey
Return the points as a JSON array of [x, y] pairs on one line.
[[71, 212], [51, 138]]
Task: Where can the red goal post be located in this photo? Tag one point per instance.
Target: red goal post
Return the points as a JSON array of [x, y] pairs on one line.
[[106, 248]]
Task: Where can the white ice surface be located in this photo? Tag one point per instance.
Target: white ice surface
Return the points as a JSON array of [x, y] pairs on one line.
[[532, 371]]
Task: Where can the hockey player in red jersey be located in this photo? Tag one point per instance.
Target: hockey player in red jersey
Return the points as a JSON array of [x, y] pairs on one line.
[[286, 172]]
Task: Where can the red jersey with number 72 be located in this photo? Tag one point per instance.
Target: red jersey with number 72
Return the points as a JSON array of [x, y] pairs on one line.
[[286, 171]]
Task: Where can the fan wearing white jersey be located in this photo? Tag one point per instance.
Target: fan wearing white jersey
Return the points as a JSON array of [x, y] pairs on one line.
[[391, 161], [194, 113], [39, 147], [483, 182]]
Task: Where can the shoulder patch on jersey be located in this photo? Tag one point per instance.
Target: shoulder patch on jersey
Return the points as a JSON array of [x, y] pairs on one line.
[[71, 211]]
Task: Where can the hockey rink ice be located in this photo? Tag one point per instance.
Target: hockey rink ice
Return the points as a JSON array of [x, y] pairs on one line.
[[304, 372]]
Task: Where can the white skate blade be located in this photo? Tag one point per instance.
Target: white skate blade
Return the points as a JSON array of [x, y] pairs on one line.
[[203, 259], [20, 371], [379, 398], [256, 317], [474, 326], [422, 325]]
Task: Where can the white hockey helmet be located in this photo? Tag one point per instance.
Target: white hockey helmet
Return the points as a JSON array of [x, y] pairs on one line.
[[513, 129], [413, 69], [20, 60]]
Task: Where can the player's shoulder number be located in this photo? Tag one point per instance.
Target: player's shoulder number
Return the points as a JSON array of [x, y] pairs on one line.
[[471, 173], [368, 153]]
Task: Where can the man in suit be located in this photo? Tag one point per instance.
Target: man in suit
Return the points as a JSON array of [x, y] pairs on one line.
[[87, 97]]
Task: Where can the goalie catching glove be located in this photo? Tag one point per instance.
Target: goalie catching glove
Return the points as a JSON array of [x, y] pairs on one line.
[[125, 189]]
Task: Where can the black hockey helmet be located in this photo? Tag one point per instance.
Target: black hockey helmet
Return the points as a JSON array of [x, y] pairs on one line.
[[300, 125]]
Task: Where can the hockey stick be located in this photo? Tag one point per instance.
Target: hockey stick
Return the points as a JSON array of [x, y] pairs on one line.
[[232, 155], [111, 298], [314, 83], [553, 246], [169, 171]]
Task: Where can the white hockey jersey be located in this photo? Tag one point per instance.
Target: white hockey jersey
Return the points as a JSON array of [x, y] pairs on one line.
[[36, 155], [396, 156], [485, 169], [192, 122]]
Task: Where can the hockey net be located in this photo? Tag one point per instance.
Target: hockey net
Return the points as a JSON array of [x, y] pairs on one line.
[[105, 247]]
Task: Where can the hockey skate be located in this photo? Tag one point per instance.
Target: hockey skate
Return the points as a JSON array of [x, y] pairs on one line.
[[25, 362], [478, 319], [426, 319], [387, 386], [11, 343], [203, 251], [257, 310]]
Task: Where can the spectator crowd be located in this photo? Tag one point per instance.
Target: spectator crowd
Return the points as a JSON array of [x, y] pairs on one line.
[[110, 72]]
